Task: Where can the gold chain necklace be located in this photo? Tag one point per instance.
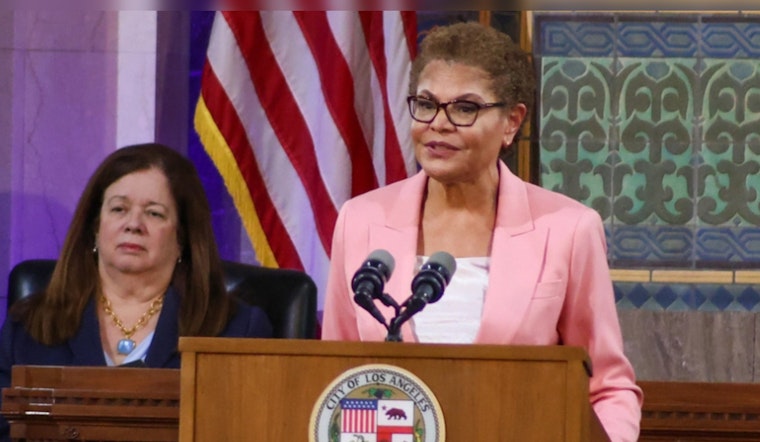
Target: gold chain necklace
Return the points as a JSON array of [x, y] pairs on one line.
[[126, 345]]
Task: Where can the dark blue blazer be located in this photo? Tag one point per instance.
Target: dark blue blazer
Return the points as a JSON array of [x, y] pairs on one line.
[[17, 347]]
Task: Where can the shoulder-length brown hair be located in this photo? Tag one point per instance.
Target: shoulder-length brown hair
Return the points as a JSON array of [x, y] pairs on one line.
[[53, 316]]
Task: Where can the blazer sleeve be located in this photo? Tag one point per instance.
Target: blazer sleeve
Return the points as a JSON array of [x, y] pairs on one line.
[[339, 320], [249, 322], [590, 320]]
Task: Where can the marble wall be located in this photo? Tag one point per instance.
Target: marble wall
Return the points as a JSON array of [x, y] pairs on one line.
[[692, 345]]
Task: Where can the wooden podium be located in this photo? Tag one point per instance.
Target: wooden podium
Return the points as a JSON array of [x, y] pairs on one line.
[[261, 389], [92, 403]]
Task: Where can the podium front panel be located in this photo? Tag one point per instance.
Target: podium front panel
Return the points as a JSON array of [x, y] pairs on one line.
[[257, 389]]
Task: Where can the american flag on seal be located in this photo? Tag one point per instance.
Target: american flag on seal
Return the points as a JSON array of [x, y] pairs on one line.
[[358, 417]]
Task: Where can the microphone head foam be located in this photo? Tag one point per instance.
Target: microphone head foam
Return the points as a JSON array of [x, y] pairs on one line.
[[444, 260], [385, 258]]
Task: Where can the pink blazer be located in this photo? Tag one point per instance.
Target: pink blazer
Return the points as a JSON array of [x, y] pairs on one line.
[[548, 283]]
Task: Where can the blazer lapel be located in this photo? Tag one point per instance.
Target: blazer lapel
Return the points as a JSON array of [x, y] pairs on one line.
[[166, 336], [516, 261], [398, 235], [85, 346]]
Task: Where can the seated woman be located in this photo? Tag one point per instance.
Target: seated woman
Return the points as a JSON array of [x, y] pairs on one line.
[[139, 268]]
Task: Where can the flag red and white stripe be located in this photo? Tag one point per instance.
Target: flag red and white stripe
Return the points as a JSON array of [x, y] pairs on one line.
[[300, 111]]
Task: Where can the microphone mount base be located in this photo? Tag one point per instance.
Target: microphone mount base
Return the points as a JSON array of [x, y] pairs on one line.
[[394, 330], [396, 337]]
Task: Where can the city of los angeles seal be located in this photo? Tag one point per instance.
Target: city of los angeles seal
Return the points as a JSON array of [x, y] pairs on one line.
[[377, 403]]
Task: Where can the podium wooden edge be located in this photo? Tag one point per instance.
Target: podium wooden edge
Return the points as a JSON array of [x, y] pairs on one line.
[[187, 394], [382, 349]]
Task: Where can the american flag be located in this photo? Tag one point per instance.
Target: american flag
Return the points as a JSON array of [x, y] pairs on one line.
[[301, 110], [358, 415]]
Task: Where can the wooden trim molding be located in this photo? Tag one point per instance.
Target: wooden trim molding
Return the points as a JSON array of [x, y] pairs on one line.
[[700, 411], [679, 276]]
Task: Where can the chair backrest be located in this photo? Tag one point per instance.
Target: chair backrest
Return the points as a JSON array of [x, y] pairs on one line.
[[289, 297]]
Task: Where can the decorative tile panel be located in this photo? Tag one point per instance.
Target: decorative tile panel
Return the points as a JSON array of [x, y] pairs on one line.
[[654, 121], [656, 113], [575, 123]]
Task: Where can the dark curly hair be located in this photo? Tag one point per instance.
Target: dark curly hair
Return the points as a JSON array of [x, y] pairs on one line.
[[474, 44]]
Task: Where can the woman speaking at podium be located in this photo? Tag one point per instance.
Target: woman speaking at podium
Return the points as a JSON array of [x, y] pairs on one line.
[[531, 263]]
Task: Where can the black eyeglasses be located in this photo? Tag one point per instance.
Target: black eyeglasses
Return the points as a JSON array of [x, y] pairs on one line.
[[459, 112]]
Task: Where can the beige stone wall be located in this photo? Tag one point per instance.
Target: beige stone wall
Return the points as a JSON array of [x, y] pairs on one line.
[[692, 345]]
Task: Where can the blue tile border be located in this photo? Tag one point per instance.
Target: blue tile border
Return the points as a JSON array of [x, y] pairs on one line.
[[687, 297], [729, 245], [587, 38], [651, 246], [730, 40]]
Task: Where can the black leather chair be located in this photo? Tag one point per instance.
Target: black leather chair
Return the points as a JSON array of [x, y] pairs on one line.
[[289, 297]]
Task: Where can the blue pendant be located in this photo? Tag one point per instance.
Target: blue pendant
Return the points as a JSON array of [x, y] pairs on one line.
[[125, 346]]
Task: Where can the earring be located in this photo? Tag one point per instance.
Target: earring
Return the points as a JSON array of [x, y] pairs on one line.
[[95, 249], [179, 260]]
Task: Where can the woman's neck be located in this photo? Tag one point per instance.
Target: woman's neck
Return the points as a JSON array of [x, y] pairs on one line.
[[458, 219], [477, 196], [132, 289]]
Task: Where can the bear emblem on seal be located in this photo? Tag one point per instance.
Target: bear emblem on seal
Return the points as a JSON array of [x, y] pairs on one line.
[[395, 414]]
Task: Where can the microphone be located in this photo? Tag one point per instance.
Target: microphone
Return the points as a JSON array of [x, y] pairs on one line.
[[427, 287], [430, 282], [369, 281]]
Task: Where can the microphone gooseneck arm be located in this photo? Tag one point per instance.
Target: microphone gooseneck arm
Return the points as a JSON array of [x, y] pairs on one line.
[[427, 287]]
